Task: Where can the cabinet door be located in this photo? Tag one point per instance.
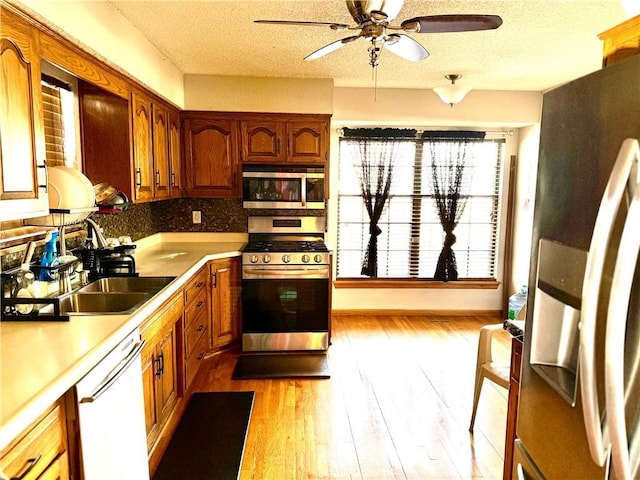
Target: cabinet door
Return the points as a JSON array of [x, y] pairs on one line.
[[160, 152], [167, 381], [149, 370], [263, 141], [307, 142], [142, 146], [23, 185], [175, 149], [225, 302], [211, 152]]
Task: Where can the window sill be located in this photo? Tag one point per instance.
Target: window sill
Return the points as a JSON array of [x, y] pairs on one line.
[[466, 284]]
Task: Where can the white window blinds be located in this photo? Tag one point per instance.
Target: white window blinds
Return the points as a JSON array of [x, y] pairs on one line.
[[412, 235], [59, 127]]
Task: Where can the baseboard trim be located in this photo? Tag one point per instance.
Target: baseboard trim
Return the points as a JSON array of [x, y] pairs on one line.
[[422, 313]]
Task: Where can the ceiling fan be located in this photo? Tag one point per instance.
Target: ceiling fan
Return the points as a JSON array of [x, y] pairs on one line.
[[373, 19]]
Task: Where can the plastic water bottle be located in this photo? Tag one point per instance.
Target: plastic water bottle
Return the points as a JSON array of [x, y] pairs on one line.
[[516, 302]]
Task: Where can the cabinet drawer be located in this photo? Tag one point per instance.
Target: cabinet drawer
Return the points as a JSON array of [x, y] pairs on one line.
[[58, 470], [195, 308], [197, 284], [193, 332], [38, 448], [193, 362]]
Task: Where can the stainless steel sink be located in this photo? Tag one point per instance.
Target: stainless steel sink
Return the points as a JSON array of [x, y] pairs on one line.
[[102, 303], [150, 285]]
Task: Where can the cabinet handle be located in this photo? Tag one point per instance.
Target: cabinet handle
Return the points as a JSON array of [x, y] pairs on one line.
[[157, 178], [201, 356], [200, 303], [46, 177], [215, 280], [200, 328], [158, 367], [28, 467], [162, 364], [138, 177], [199, 284], [173, 179]]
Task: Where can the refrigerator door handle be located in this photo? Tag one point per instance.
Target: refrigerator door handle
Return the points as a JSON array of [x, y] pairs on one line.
[[624, 462], [613, 195]]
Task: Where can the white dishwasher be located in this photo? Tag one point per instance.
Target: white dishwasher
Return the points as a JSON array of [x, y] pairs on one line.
[[113, 443]]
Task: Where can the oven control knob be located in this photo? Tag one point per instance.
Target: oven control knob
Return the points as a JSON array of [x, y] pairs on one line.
[[317, 258], [305, 258], [266, 258], [286, 258], [253, 258]]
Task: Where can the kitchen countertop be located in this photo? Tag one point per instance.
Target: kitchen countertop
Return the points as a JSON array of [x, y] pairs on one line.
[[40, 361], [515, 328]]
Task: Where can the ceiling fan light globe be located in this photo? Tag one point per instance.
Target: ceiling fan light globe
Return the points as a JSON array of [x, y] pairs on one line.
[[452, 94]]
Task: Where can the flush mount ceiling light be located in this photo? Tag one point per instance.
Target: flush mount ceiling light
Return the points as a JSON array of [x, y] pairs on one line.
[[453, 93]]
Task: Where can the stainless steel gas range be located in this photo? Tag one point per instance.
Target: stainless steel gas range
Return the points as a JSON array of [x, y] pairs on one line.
[[285, 285]]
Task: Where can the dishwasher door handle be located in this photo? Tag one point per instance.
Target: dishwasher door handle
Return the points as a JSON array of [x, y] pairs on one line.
[[122, 368]]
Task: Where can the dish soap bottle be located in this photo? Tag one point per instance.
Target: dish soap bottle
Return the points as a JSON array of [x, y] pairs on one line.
[[49, 258]]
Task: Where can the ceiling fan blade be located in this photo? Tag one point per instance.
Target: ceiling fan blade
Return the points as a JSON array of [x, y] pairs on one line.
[[406, 47], [332, 47], [333, 26], [451, 23]]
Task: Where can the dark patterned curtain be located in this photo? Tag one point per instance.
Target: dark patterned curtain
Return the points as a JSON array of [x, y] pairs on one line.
[[373, 151], [449, 152]]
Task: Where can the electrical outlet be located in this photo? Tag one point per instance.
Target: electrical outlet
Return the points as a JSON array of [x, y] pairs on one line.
[[197, 216]]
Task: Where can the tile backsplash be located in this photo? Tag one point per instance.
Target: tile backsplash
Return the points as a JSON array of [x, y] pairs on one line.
[[144, 219]]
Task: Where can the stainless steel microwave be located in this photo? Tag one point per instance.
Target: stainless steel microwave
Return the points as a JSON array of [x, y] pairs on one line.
[[277, 187]]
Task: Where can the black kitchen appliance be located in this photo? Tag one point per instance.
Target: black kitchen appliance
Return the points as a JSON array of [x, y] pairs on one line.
[[285, 285], [579, 404]]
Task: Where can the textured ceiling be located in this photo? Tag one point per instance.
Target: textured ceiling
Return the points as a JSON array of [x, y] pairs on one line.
[[541, 43]]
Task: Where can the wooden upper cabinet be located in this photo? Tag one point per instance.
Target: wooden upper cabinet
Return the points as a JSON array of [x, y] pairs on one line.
[[621, 41], [211, 156], [175, 156], [142, 146], [263, 141], [161, 172], [285, 138], [307, 141], [22, 149]]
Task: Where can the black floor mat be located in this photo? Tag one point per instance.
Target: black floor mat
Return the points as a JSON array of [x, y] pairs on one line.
[[281, 366], [209, 441]]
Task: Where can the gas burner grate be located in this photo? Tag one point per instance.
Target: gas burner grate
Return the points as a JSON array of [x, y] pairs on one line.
[[286, 246]]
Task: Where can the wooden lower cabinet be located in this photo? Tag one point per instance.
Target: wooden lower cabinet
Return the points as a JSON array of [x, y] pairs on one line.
[[512, 407], [225, 302], [40, 451], [159, 366]]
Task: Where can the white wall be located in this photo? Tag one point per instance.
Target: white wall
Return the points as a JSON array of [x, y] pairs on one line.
[[101, 30], [252, 94], [523, 206]]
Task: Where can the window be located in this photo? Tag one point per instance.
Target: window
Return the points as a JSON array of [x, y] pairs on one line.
[[59, 121], [412, 236]]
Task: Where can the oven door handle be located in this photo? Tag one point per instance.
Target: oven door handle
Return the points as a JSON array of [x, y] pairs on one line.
[[252, 272]]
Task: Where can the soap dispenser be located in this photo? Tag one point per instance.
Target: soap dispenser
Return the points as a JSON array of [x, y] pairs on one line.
[[49, 257]]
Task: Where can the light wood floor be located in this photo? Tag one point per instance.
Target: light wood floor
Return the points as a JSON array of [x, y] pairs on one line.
[[397, 406]]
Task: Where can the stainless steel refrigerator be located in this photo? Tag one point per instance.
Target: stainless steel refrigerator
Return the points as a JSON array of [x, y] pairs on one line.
[[579, 408]]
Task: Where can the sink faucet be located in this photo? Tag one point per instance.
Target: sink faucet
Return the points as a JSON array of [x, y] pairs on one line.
[[97, 233]]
